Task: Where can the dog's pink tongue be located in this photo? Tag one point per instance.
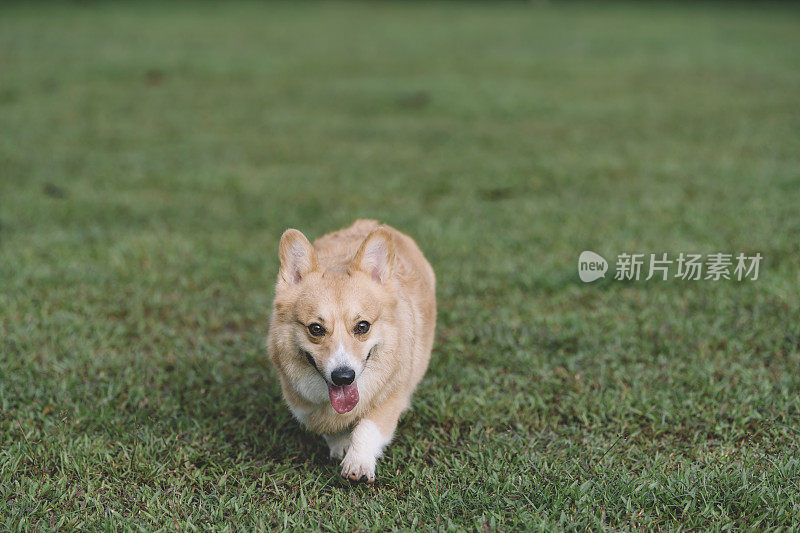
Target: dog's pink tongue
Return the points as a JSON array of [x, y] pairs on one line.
[[343, 399]]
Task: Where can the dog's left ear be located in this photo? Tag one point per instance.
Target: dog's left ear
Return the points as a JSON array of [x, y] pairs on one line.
[[376, 255], [297, 257]]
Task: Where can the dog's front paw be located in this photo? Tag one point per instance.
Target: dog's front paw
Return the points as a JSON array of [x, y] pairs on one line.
[[359, 467]]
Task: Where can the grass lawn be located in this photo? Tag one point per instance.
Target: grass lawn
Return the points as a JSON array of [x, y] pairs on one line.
[[151, 155]]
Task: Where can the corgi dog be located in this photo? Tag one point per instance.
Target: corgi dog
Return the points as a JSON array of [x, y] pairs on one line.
[[351, 335]]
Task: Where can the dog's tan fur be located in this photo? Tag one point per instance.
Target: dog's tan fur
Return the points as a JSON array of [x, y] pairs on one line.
[[365, 272]]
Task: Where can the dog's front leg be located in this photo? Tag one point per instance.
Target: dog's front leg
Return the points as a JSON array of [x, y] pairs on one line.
[[338, 443], [368, 439]]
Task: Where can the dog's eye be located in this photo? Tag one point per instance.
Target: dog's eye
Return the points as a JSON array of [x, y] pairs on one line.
[[362, 327], [316, 330]]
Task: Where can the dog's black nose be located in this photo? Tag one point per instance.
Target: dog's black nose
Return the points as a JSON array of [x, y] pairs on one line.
[[343, 376]]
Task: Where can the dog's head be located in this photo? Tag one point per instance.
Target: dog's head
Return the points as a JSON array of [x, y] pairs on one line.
[[329, 323]]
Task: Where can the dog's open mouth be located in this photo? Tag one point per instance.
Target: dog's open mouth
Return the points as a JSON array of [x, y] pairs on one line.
[[343, 399]]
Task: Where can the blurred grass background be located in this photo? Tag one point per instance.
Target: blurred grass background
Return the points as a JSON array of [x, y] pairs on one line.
[[152, 154]]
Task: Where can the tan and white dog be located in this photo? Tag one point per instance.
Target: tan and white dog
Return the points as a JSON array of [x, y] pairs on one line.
[[351, 335]]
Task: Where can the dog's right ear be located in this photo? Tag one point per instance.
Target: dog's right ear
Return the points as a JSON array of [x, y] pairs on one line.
[[376, 255], [297, 257]]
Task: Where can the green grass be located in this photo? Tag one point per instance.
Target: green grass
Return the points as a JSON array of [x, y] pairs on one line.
[[151, 156]]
